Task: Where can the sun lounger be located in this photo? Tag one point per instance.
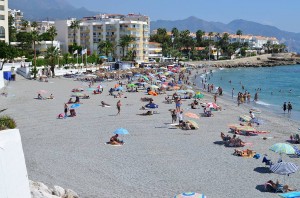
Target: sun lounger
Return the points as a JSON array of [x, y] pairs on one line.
[[290, 195]]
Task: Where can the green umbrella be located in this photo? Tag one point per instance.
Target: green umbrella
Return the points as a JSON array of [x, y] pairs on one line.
[[282, 148], [77, 94], [146, 78], [197, 96], [131, 85]]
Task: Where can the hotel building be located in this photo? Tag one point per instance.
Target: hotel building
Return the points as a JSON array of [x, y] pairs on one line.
[[3, 21], [109, 27]]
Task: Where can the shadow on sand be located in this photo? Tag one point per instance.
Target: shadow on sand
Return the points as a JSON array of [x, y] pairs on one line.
[[262, 170]]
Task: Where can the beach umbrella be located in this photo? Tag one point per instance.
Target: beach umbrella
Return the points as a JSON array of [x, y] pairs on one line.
[[137, 75], [42, 92], [181, 91], [79, 94], [211, 105], [91, 89], [191, 115], [284, 168], [100, 86], [197, 96], [146, 78], [176, 87], [282, 148], [121, 131], [189, 91], [194, 123], [154, 86], [131, 85], [119, 88], [190, 195], [73, 106]]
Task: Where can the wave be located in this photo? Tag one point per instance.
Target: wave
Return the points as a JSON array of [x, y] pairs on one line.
[[262, 103]]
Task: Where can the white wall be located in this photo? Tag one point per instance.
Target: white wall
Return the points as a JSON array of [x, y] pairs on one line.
[[13, 173], [1, 79]]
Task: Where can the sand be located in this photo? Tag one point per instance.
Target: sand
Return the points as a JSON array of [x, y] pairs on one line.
[[154, 162]]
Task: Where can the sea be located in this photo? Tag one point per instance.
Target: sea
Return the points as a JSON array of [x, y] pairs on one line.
[[274, 85]]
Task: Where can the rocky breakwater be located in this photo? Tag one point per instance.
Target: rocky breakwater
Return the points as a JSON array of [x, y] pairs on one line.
[[258, 61], [40, 190]]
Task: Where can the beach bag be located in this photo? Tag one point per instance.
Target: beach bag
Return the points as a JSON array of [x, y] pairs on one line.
[[60, 116]]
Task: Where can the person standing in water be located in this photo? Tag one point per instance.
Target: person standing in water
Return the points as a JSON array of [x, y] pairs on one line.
[[232, 92], [256, 97], [284, 107], [289, 107]]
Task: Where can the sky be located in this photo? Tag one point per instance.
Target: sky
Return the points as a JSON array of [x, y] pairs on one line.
[[283, 14]]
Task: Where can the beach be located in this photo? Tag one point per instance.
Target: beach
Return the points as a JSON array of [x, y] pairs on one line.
[[156, 160]]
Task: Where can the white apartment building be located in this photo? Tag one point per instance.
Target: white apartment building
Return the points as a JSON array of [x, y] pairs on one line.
[[155, 51], [104, 27], [18, 16], [44, 26], [4, 21]]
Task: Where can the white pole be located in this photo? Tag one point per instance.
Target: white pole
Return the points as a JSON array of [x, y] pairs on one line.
[[86, 58], [77, 59]]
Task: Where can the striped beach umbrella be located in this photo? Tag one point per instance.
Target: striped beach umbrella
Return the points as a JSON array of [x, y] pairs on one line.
[[284, 168], [190, 195], [282, 148]]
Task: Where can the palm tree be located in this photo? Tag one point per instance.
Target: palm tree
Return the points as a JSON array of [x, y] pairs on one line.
[[52, 32], [105, 47], [34, 25], [199, 37], [268, 46], [124, 42], [74, 26], [52, 54], [210, 34], [25, 24], [239, 33]]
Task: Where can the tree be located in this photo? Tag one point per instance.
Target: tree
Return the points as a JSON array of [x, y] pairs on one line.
[[105, 47], [124, 42], [52, 32], [12, 32], [199, 37], [239, 33], [268, 46], [52, 54], [7, 52], [25, 24], [74, 26]]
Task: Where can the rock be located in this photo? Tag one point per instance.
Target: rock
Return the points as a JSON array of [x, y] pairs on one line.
[[71, 194], [40, 187], [59, 191]]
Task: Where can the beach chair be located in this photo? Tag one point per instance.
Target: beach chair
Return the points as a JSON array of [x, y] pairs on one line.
[[297, 151], [290, 195]]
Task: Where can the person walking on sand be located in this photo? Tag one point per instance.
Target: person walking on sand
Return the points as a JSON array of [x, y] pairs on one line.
[[284, 107], [289, 107], [119, 107], [215, 98], [66, 110]]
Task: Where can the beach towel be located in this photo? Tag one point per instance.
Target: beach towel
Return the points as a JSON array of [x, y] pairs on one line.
[[290, 195]]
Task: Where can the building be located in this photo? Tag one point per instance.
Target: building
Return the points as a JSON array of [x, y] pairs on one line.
[[4, 21], [17, 18], [44, 26], [109, 27], [154, 51]]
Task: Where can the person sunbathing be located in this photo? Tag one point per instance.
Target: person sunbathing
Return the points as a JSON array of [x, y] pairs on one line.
[[70, 101], [51, 96], [114, 140], [225, 137], [104, 104], [39, 96]]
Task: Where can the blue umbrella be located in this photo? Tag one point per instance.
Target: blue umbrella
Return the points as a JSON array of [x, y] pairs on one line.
[[119, 88], [75, 106], [103, 57], [121, 131]]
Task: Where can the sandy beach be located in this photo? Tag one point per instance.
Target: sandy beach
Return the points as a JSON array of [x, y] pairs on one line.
[[155, 161]]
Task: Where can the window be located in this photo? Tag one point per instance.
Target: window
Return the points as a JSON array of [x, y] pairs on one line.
[[2, 7], [2, 17], [2, 32]]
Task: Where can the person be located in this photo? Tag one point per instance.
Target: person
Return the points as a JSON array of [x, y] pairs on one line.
[[180, 117], [66, 110], [51, 96], [289, 107], [119, 107], [77, 100], [232, 93], [284, 107], [40, 96], [114, 140], [178, 104], [70, 101], [215, 98], [104, 104], [256, 97], [174, 116]]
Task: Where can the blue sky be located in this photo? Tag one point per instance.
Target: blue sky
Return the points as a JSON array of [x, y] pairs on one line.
[[284, 14]]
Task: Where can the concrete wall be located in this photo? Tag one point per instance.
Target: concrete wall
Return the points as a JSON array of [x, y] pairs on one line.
[[14, 179], [1, 79]]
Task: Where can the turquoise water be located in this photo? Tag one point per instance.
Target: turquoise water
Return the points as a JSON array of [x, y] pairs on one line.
[[278, 85]]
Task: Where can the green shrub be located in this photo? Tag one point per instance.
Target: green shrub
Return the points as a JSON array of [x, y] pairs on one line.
[[7, 122]]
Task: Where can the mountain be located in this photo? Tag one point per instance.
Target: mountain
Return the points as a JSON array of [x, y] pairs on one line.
[[48, 9], [292, 40]]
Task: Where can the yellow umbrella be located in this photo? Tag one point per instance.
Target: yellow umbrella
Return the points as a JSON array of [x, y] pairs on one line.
[[194, 124]]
